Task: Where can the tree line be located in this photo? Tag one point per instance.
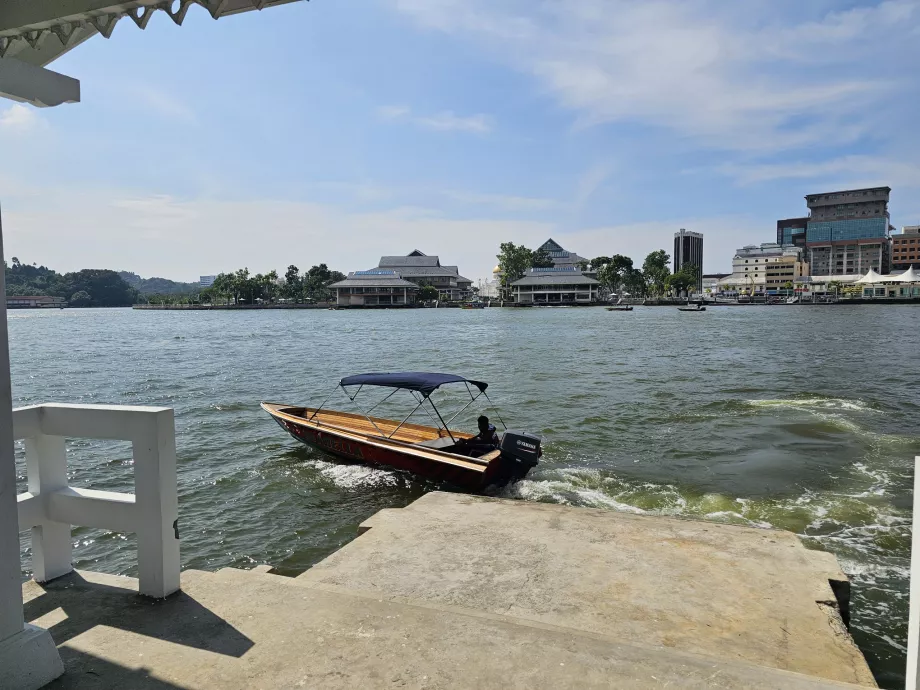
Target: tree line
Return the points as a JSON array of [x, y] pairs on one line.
[[615, 273], [242, 287], [90, 287]]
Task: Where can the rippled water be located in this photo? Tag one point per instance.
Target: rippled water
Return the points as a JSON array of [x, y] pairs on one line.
[[803, 418]]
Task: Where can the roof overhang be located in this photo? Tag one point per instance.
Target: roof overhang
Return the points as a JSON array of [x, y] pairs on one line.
[[34, 33]]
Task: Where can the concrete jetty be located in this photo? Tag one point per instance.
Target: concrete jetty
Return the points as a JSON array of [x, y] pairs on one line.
[[461, 591]]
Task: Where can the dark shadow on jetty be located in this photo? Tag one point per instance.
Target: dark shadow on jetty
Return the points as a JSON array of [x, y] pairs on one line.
[[179, 618]]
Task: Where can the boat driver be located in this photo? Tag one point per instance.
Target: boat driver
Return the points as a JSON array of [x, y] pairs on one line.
[[483, 442]]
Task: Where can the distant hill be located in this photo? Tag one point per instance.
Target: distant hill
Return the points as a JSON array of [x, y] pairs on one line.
[[91, 287], [158, 286]]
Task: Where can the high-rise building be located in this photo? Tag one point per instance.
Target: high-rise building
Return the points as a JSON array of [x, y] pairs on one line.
[[847, 231], [206, 281], [688, 249], [791, 232], [905, 248]]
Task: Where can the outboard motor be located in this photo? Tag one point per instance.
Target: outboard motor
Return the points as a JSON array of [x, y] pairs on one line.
[[522, 447]]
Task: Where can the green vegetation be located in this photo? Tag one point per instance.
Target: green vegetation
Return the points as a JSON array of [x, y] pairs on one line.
[[427, 293], [684, 280], [240, 287], [655, 271], [515, 259], [158, 286], [90, 287]]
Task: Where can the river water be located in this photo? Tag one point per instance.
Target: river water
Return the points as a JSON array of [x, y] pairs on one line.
[[802, 418]]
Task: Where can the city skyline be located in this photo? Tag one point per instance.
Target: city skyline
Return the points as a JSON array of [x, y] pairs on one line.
[[480, 123]]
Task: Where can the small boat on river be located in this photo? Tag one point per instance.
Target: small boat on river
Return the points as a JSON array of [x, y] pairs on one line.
[[692, 307], [432, 452], [620, 307]]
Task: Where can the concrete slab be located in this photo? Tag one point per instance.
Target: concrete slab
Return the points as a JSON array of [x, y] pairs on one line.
[[735, 593], [252, 630]]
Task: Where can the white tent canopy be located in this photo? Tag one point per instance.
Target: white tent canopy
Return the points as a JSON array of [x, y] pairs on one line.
[[909, 276], [871, 278]]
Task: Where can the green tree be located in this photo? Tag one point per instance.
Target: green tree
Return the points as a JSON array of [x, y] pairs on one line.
[[599, 261], [612, 271], [105, 288], [79, 299], [513, 260], [541, 259], [427, 293], [293, 284], [655, 271], [634, 282]]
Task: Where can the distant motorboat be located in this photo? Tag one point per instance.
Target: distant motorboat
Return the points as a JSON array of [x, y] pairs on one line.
[[694, 307], [619, 307]]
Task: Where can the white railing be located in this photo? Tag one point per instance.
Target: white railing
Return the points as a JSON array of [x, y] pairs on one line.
[[51, 506], [913, 625]]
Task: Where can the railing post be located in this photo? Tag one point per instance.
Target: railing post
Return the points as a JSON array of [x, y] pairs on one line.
[[46, 459], [158, 506], [913, 625]]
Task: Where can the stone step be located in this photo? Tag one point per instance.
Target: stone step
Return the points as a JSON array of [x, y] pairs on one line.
[[240, 629], [726, 591]]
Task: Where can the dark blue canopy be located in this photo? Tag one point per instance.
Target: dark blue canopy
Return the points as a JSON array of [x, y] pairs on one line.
[[425, 383]]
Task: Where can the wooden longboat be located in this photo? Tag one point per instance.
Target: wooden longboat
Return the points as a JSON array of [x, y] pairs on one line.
[[435, 453], [420, 450]]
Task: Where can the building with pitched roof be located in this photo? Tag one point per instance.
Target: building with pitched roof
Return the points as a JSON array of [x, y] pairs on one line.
[[561, 257], [421, 269], [564, 284], [374, 288]]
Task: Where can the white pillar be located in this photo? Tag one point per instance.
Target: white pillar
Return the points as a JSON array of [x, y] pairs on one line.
[[28, 657], [46, 458], [913, 625], [158, 505]]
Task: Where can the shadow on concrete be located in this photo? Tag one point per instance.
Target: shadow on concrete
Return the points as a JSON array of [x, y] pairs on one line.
[[178, 618], [88, 672]]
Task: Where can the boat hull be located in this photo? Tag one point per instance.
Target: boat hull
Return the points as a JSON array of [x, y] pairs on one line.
[[469, 474]]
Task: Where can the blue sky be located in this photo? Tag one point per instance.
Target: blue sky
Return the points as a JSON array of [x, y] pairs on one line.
[[340, 131]]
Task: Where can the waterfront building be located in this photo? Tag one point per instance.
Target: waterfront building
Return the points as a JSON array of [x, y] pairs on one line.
[[905, 248], [752, 264], [206, 281], [374, 288], [848, 231], [421, 269], [710, 282], [791, 231], [34, 302], [564, 284], [688, 249]]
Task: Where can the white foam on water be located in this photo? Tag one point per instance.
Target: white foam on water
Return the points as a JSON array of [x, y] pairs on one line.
[[353, 476], [815, 403]]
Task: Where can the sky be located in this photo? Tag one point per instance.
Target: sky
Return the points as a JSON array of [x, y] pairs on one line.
[[337, 131]]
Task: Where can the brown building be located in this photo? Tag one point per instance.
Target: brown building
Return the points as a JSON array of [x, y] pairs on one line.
[[905, 248], [34, 302]]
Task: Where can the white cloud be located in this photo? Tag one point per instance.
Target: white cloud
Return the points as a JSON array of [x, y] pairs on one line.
[[444, 121], [162, 235], [21, 119], [735, 79], [854, 171]]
